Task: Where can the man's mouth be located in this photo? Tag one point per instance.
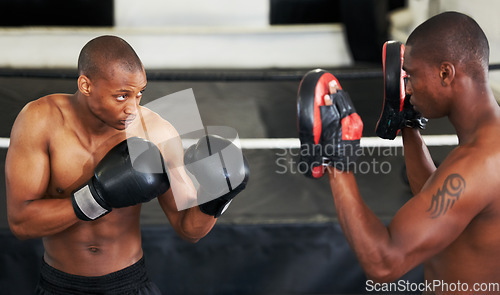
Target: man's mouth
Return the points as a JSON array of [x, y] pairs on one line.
[[128, 121]]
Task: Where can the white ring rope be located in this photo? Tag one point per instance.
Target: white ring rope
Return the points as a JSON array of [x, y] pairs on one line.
[[4, 142], [290, 143]]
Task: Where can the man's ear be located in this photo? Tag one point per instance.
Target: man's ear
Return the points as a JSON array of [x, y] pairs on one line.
[[446, 73], [84, 85]]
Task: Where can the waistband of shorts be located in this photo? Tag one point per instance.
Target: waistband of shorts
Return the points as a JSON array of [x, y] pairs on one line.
[[128, 279]]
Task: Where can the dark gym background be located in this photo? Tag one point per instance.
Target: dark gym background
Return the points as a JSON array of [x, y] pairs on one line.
[[281, 235]]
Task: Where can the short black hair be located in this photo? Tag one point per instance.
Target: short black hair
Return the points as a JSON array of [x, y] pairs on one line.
[[100, 52], [453, 37]]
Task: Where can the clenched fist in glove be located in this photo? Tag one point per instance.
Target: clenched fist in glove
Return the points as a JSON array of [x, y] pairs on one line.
[[221, 170]]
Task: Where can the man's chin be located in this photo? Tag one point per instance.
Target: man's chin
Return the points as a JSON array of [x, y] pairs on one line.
[[121, 126], [125, 124]]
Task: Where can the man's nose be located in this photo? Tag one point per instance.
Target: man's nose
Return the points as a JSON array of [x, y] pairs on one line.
[[131, 107]]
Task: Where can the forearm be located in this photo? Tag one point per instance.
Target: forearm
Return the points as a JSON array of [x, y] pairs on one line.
[[367, 235], [190, 224], [41, 217], [419, 163], [195, 224]]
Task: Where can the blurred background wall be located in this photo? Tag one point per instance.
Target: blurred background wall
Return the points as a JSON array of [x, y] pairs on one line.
[[224, 33], [279, 238]]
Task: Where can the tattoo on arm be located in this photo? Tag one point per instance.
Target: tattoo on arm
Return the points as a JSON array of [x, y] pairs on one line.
[[446, 196]]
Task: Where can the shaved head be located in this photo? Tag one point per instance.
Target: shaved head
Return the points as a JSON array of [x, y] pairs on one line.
[[99, 54], [453, 37]]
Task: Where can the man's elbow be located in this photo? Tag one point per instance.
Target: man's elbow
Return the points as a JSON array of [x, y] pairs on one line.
[[192, 237], [19, 231], [382, 275], [192, 240], [385, 270], [192, 234], [194, 230]]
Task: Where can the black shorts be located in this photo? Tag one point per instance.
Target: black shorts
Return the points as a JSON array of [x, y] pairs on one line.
[[130, 280]]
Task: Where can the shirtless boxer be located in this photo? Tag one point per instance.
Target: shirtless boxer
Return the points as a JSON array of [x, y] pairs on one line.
[[56, 143], [452, 224]]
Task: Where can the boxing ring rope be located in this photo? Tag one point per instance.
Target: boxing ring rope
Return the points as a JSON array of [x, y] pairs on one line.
[[4, 142], [294, 143], [212, 75]]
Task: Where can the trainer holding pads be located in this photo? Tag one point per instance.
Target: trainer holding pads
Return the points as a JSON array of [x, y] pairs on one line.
[[452, 224], [79, 167]]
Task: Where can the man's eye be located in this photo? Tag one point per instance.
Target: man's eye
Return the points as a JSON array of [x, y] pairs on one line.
[[121, 98]]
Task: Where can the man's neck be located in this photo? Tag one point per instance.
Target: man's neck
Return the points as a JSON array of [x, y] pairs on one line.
[[471, 114], [90, 125]]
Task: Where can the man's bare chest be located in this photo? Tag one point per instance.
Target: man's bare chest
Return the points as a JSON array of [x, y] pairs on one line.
[[72, 163]]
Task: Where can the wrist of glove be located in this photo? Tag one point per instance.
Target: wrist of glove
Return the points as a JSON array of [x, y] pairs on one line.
[[87, 203], [217, 206], [410, 117]]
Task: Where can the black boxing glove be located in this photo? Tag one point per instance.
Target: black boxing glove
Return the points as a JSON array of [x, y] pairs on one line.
[[221, 170], [121, 180], [397, 111]]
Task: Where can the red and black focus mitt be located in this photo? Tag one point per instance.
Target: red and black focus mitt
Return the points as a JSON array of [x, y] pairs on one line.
[[329, 134], [397, 112]]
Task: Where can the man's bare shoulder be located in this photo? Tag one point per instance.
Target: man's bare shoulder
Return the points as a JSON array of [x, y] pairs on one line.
[[45, 108], [157, 127], [40, 114], [477, 163], [152, 116]]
